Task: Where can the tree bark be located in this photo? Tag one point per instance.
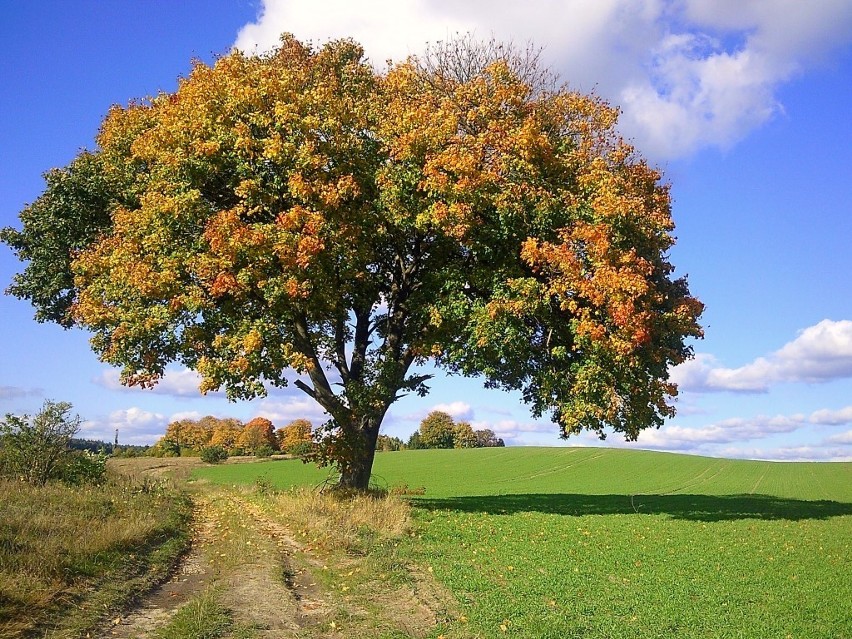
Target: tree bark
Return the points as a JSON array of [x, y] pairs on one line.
[[355, 475]]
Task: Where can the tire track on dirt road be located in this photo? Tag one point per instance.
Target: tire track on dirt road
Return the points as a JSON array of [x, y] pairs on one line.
[[250, 570]]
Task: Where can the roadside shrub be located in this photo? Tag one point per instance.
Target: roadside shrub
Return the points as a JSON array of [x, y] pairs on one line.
[[83, 467], [300, 449], [213, 454], [35, 447], [263, 486], [264, 451]]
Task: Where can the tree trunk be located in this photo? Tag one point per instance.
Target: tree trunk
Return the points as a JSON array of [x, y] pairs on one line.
[[355, 475]]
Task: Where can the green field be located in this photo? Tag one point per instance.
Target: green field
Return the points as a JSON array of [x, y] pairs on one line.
[[601, 543]]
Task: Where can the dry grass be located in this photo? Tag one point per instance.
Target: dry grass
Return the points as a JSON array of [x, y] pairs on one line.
[[169, 469], [349, 544], [58, 543], [353, 523]]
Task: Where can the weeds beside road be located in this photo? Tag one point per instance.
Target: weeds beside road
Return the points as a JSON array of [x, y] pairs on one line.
[[68, 555]]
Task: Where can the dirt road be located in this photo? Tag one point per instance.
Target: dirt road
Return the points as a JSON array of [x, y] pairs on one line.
[[272, 585]]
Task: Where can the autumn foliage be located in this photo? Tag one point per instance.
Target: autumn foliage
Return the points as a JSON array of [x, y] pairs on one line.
[[296, 437], [299, 215], [191, 437]]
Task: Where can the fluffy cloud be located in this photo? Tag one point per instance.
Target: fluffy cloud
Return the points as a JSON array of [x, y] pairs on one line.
[[832, 417], [178, 382], [186, 414], [512, 431], [458, 410], [134, 425], [738, 429], [822, 452], [183, 382], [732, 437], [688, 73], [820, 353], [841, 438]]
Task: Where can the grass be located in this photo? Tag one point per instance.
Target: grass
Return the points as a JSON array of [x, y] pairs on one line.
[[70, 555], [587, 471], [350, 546], [601, 543], [353, 524], [201, 618]]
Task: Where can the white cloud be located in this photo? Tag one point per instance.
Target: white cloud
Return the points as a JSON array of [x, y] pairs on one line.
[[135, 426], [186, 414], [184, 382], [844, 438], [790, 453], [832, 417], [687, 73], [820, 353], [737, 429], [178, 382], [733, 438], [387, 28], [512, 431], [458, 410]]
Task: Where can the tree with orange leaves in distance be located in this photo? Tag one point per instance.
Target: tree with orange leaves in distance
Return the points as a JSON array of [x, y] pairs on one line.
[[226, 432], [296, 214], [297, 433], [257, 433]]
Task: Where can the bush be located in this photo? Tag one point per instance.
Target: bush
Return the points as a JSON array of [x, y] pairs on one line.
[[35, 448], [264, 451], [213, 454], [300, 449], [83, 467], [164, 448]]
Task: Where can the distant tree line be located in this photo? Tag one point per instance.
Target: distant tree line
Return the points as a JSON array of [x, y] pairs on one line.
[[440, 430], [96, 446], [259, 437]]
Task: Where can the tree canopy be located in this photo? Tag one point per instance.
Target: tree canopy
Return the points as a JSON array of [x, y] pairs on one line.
[[437, 430], [300, 216]]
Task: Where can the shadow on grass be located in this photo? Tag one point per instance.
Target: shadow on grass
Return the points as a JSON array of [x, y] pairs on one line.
[[706, 508]]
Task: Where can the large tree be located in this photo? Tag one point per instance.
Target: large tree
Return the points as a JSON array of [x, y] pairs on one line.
[[301, 216]]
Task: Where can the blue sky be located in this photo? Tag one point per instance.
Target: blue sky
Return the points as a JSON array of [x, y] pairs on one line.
[[744, 105]]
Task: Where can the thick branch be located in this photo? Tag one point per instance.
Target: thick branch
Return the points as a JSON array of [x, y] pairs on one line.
[[321, 392], [362, 341], [304, 387], [340, 350]]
